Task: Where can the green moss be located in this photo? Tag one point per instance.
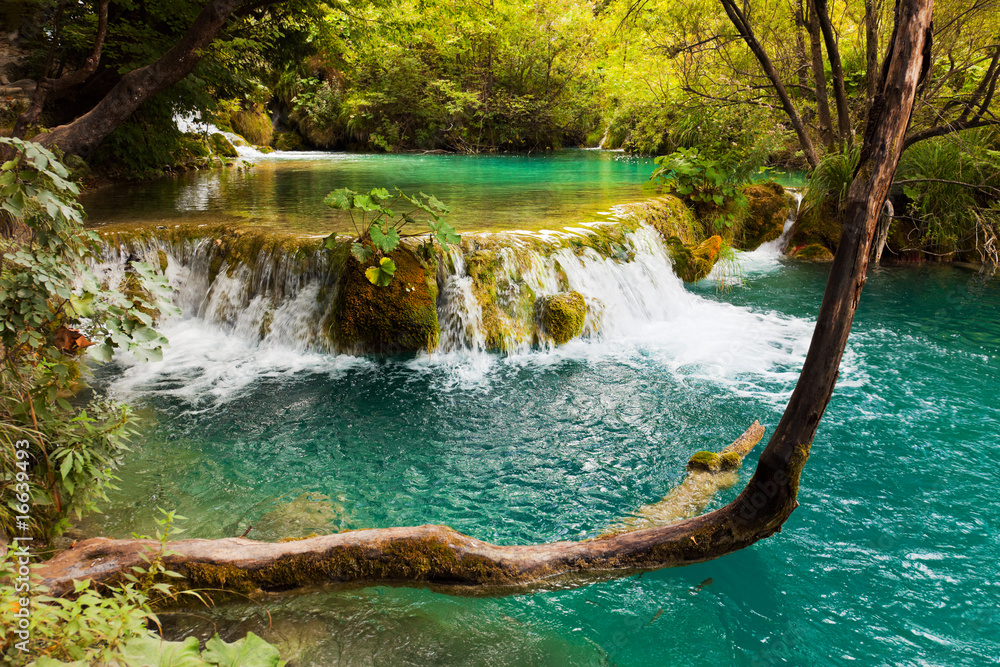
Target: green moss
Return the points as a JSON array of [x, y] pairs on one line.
[[708, 461], [221, 145], [816, 225], [252, 124], [765, 215], [428, 559], [730, 461], [161, 258], [669, 215], [562, 316], [287, 141], [400, 317], [814, 252], [691, 263]]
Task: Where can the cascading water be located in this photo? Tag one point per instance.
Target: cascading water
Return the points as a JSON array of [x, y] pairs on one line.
[[190, 124], [272, 308]]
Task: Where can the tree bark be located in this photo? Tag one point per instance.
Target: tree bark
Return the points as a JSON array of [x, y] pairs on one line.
[[819, 77], [845, 131], [49, 90], [84, 134], [873, 15], [739, 20], [436, 554]]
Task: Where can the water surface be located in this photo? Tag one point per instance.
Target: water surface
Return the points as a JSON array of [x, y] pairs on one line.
[[891, 559]]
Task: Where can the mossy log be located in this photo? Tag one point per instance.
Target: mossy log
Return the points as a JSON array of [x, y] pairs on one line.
[[435, 555]]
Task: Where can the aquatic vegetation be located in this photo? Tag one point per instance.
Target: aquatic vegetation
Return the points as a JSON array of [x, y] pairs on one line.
[[765, 214]]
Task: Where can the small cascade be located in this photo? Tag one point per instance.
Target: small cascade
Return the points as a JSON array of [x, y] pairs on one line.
[[190, 124], [275, 291], [767, 256]]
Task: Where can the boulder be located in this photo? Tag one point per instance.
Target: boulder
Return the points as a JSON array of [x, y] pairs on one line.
[[398, 318], [766, 212], [561, 316], [694, 262]]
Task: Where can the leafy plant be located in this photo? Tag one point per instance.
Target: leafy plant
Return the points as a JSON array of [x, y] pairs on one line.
[[830, 180], [52, 307], [379, 227], [702, 179], [115, 627]]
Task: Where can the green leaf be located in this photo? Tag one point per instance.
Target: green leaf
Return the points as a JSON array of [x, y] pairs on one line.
[[362, 253], [365, 203], [101, 352], [66, 466], [381, 275], [385, 242], [444, 233], [154, 652], [250, 651], [340, 199]]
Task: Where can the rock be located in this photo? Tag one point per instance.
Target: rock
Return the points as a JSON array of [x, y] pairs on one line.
[[561, 316], [221, 145], [287, 141], [814, 252], [765, 216], [816, 225], [669, 215], [398, 318], [694, 262]]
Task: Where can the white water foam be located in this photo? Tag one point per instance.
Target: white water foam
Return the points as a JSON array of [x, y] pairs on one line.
[[266, 323], [195, 125]]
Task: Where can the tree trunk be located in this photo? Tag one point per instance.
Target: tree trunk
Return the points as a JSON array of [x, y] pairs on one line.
[[84, 134], [49, 90], [873, 16], [844, 128], [742, 25], [819, 77], [436, 554]]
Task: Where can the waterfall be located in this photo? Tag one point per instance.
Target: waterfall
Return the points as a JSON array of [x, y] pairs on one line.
[[272, 291], [195, 125]]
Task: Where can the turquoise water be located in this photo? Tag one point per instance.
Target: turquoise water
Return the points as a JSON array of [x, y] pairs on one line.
[[286, 190], [891, 559]]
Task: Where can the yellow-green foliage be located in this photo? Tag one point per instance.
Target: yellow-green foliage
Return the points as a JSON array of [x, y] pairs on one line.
[[694, 262], [764, 216], [253, 125], [398, 317], [669, 215], [287, 141], [562, 316]]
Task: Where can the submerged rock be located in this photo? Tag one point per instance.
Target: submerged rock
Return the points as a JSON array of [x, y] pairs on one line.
[[561, 316], [694, 262], [400, 317], [766, 212]]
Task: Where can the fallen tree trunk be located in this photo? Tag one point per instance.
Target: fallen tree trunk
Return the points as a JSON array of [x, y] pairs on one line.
[[437, 554], [429, 554]]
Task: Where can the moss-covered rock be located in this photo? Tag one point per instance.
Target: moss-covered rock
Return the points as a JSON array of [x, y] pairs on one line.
[[764, 218], [561, 316], [221, 145], [400, 317], [814, 252], [816, 225], [669, 215], [287, 141], [694, 262], [506, 301], [706, 461]]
